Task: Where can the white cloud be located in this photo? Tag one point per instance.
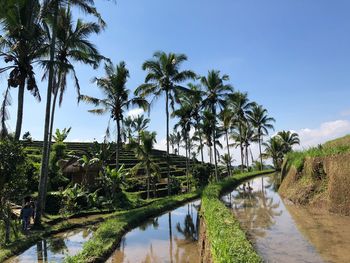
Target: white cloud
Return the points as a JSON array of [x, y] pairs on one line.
[[135, 112], [345, 113], [327, 131]]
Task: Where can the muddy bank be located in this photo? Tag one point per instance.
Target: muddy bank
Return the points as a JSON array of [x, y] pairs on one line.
[[322, 182], [203, 243]]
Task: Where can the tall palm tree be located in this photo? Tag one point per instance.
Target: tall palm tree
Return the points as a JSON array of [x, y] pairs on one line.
[[258, 117], [172, 141], [226, 117], [184, 115], [113, 85], [50, 10], [143, 153], [127, 130], [215, 92], [240, 105], [21, 45], [164, 77], [289, 139], [72, 45], [195, 99]]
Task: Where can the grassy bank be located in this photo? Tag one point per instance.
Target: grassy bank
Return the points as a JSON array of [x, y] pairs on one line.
[[108, 235], [228, 242], [319, 176]]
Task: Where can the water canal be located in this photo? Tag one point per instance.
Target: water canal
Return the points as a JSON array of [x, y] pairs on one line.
[[283, 232]]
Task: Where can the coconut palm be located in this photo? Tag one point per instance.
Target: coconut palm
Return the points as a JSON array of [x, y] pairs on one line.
[[184, 123], [215, 92], [116, 100], [143, 153], [226, 159], [259, 119], [21, 45], [4, 115], [127, 130], [164, 77], [140, 124], [50, 10], [289, 139], [274, 148], [172, 141], [226, 118], [72, 46], [240, 105]]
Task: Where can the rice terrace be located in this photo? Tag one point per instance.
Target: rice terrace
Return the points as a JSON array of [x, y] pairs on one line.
[[174, 131]]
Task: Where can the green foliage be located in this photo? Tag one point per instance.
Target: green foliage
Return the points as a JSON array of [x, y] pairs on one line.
[[228, 242], [201, 175], [175, 185], [58, 152]]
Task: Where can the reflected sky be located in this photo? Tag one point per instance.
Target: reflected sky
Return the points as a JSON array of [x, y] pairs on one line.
[[268, 223], [171, 237], [55, 248]]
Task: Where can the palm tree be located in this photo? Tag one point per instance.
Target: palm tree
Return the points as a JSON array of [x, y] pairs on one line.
[[127, 131], [164, 77], [72, 45], [60, 136], [274, 148], [143, 153], [4, 115], [140, 124], [226, 117], [259, 119], [289, 139], [113, 85], [172, 141], [226, 159], [207, 129], [240, 105], [21, 45], [184, 115], [215, 93], [50, 10]]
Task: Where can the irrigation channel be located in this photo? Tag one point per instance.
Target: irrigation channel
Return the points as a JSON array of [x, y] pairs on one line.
[[283, 232], [171, 237]]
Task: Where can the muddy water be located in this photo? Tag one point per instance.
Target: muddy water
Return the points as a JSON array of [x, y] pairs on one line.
[[171, 237], [55, 248], [272, 229], [329, 233]]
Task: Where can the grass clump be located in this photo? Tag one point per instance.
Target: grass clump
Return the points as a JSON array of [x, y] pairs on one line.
[[228, 242], [108, 235]]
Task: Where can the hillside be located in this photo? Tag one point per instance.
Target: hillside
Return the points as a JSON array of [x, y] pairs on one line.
[[319, 176], [177, 162]]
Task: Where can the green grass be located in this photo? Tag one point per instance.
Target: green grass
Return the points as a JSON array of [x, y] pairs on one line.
[[228, 242], [334, 147], [108, 235]]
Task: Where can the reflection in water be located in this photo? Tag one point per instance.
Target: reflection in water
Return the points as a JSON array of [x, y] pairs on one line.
[[329, 233], [172, 239], [55, 248], [269, 225]]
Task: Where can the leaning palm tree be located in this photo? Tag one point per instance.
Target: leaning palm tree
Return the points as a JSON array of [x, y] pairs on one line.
[[143, 153], [215, 92], [289, 139], [21, 45], [164, 77], [259, 119], [113, 85]]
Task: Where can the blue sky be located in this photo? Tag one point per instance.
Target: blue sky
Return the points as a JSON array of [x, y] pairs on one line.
[[292, 56]]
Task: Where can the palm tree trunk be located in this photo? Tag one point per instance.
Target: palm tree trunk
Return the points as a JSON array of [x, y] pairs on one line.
[[167, 139], [214, 138], [44, 163], [187, 165], [247, 157], [148, 174], [20, 110], [170, 239], [210, 155], [261, 161], [118, 145], [228, 152], [241, 147], [201, 144]]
